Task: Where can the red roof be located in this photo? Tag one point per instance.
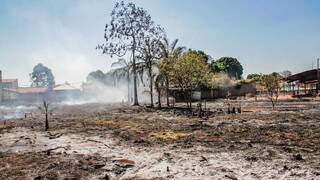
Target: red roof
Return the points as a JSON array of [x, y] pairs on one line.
[[27, 90], [9, 80]]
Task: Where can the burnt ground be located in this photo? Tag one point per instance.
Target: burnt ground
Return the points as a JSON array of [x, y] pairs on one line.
[[96, 141]]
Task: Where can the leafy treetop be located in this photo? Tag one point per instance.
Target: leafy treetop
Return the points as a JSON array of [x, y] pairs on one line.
[[229, 65], [189, 71], [42, 76]]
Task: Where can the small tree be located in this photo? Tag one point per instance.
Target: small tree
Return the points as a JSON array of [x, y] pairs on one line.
[[46, 111], [42, 76], [271, 83], [188, 73]]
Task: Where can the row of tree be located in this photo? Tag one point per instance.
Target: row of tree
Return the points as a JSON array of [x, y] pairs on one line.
[[132, 34]]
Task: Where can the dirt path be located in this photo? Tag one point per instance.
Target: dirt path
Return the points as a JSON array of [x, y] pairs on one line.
[[124, 162]]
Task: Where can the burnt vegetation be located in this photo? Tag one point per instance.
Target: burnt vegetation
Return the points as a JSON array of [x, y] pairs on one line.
[[184, 114]]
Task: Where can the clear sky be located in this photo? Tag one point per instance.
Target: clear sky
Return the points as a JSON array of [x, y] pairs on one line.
[[265, 36]]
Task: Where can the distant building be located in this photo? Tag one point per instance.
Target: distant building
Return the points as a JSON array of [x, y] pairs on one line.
[[10, 92], [233, 91], [5, 85], [304, 83], [66, 91], [28, 94]]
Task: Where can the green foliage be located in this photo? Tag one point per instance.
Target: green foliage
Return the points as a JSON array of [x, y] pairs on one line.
[[201, 54], [189, 71], [42, 76], [170, 53], [229, 65], [254, 77]]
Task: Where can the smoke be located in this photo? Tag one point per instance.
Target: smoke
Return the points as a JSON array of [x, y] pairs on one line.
[[111, 91], [14, 112], [221, 80], [96, 91]]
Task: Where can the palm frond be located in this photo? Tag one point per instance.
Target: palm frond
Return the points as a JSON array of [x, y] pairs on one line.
[[173, 44]]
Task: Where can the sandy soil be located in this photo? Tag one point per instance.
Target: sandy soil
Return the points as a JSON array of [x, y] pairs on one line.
[[100, 141]]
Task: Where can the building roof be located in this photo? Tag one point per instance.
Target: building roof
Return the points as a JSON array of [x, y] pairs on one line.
[[304, 77], [29, 90], [9, 80], [65, 86]]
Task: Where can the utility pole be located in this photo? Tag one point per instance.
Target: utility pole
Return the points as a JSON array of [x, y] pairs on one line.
[[318, 77]]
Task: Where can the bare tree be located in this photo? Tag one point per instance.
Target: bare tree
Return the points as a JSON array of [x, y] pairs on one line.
[[46, 110], [150, 56], [271, 83], [127, 31]]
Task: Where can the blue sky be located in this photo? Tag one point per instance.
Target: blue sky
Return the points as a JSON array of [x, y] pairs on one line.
[[265, 36]]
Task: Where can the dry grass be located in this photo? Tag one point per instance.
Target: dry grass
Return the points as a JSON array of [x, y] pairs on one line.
[[4, 127], [168, 136]]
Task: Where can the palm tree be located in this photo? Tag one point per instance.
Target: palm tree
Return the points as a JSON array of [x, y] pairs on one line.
[[149, 60], [146, 68], [122, 70], [170, 52]]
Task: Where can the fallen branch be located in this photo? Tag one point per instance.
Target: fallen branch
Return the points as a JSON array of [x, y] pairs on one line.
[[48, 151], [98, 142], [203, 159], [54, 136]]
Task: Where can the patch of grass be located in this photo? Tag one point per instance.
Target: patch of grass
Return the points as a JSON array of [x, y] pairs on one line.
[[168, 136], [103, 123], [5, 127]]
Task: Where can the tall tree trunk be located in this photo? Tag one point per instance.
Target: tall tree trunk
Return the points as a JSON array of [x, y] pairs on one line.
[[186, 99], [190, 99], [159, 96], [151, 85], [272, 104], [128, 86], [46, 122], [135, 93], [167, 91]]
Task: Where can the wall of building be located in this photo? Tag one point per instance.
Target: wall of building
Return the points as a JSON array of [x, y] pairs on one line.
[[5, 84]]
